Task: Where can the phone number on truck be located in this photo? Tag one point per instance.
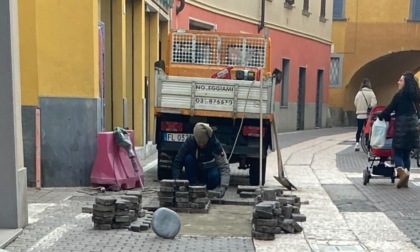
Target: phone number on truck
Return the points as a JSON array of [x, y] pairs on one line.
[[213, 101]]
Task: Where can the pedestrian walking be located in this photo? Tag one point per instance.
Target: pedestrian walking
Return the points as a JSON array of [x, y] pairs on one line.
[[405, 104], [364, 101]]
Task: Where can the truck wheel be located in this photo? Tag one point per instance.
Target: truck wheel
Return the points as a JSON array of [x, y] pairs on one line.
[[164, 166], [254, 171]]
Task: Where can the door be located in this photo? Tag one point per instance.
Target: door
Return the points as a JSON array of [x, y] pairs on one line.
[[301, 99], [318, 105]]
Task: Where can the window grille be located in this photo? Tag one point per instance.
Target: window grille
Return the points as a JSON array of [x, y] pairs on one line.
[[335, 71]]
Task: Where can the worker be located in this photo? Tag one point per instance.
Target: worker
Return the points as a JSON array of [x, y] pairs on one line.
[[204, 160]]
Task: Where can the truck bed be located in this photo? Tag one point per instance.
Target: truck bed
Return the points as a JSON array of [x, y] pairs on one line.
[[226, 98]]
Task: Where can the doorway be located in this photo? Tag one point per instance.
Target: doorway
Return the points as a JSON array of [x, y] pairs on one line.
[[301, 99], [318, 105]]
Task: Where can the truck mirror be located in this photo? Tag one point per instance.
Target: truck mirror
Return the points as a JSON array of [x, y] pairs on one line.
[[160, 64], [277, 74]]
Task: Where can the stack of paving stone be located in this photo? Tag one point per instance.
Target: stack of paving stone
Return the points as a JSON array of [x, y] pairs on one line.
[[275, 213], [179, 196], [111, 213], [103, 212]]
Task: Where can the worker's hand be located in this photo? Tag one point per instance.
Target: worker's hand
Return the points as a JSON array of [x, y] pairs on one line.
[[221, 190], [380, 116]]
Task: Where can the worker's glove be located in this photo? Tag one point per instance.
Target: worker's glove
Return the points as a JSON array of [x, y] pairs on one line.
[[221, 191]]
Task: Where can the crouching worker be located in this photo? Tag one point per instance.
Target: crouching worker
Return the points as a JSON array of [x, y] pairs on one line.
[[204, 160]]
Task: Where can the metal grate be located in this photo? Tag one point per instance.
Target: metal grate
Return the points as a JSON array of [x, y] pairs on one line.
[[409, 213], [214, 49], [335, 71]]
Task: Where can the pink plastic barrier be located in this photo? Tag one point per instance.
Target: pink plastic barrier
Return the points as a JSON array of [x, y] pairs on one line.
[[113, 166]]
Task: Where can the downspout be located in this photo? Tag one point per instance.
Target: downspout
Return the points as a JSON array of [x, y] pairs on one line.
[[180, 7], [261, 25]]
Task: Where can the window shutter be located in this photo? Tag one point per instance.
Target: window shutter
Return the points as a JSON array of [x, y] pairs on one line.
[[416, 10], [338, 9]]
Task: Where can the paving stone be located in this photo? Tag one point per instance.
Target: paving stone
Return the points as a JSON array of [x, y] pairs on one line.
[[122, 212], [198, 194], [180, 182], [167, 183], [102, 208], [266, 229], [268, 194], [87, 210], [299, 217], [138, 194], [295, 210], [297, 227], [265, 222], [166, 189], [263, 214], [183, 205], [166, 199], [202, 188], [183, 189], [287, 211], [277, 212], [247, 195], [182, 200], [166, 204], [122, 219], [105, 200], [120, 225], [165, 194], [132, 199], [285, 200], [102, 226], [101, 220], [200, 200], [135, 226], [246, 188], [141, 213], [262, 236], [288, 226], [182, 194], [121, 204], [166, 223], [103, 214]]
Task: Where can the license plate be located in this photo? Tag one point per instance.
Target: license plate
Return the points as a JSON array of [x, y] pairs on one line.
[[175, 137]]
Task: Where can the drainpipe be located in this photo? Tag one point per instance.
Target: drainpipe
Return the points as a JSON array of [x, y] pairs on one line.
[[261, 25], [180, 7]]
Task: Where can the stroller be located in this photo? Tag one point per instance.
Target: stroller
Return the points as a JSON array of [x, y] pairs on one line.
[[377, 157]]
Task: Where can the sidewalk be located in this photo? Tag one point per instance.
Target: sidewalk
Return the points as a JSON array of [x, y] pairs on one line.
[[311, 166], [342, 214]]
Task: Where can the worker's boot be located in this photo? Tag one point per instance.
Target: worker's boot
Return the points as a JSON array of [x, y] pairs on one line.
[[403, 176]]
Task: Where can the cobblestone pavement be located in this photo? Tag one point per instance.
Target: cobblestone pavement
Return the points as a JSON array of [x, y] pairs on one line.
[[401, 206], [342, 213]]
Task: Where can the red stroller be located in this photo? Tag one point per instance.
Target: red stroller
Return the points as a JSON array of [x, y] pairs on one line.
[[377, 156]]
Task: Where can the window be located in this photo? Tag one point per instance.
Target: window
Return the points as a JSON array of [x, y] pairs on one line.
[[336, 68], [415, 10], [322, 14], [284, 99], [305, 10], [338, 9]]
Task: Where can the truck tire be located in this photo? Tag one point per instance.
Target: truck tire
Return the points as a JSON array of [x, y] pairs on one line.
[[164, 166], [254, 171]]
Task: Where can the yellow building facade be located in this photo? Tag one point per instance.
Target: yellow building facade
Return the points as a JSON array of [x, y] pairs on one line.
[[88, 66], [374, 39]]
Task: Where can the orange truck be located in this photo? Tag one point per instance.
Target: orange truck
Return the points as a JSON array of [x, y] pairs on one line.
[[216, 78]]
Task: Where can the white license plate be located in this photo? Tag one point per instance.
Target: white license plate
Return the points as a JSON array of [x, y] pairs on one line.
[[175, 137]]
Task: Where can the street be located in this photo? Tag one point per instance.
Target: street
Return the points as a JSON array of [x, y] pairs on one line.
[[342, 213]]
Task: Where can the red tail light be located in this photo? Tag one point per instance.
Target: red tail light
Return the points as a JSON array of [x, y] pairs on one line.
[[252, 131], [171, 126]]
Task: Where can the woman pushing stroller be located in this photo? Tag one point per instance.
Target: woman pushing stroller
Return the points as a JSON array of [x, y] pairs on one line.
[[405, 104]]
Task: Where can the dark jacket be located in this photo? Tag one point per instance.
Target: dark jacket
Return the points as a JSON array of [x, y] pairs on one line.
[[406, 135], [212, 151]]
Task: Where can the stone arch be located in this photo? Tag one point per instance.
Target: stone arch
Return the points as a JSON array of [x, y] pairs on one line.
[[384, 73]]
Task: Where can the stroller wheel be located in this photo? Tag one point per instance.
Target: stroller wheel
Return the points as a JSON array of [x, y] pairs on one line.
[[366, 177]]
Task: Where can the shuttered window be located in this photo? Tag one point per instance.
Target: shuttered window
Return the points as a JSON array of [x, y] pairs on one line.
[[306, 5], [415, 10], [338, 9]]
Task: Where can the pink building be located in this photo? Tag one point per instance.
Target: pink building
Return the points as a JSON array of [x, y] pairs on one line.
[[301, 48]]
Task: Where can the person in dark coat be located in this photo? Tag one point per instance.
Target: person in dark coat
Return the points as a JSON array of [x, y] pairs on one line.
[[204, 160], [405, 104]]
